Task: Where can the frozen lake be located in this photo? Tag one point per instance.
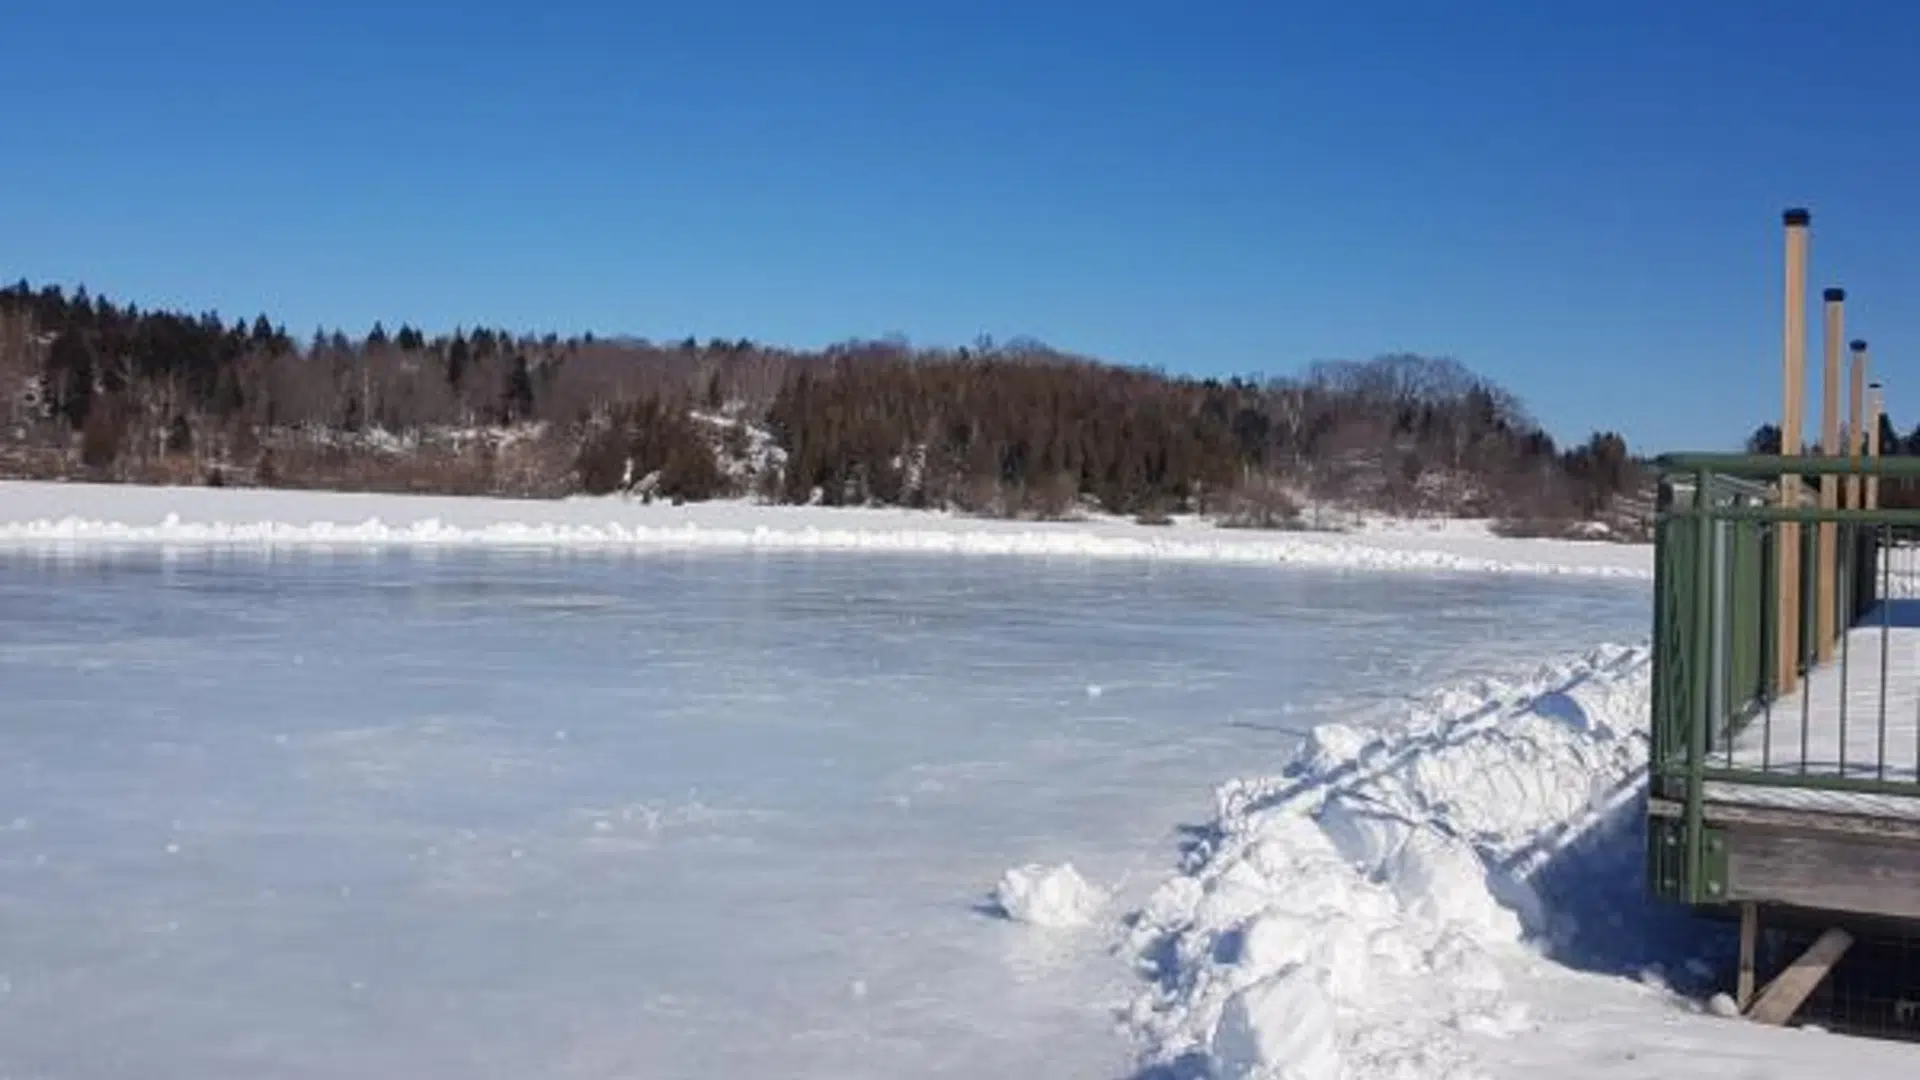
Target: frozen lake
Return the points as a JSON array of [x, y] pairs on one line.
[[485, 814]]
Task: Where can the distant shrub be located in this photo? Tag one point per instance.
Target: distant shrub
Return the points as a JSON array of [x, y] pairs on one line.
[[602, 462], [102, 435], [653, 449], [180, 435], [1260, 502]]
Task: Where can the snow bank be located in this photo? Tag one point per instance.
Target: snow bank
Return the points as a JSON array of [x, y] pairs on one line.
[[1050, 896], [38, 514], [1350, 918]]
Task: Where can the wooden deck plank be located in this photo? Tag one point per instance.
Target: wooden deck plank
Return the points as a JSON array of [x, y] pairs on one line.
[[1816, 862], [1729, 813], [1824, 871]]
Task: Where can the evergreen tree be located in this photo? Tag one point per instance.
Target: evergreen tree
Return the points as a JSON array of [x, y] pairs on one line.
[[70, 372], [180, 435], [459, 356], [517, 403]]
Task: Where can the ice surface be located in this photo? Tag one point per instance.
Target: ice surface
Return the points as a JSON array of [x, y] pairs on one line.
[[430, 812]]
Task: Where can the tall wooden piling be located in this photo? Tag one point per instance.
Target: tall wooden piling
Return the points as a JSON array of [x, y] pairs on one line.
[[1793, 372], [1856, 422], [1874, 405], [1826, 557]]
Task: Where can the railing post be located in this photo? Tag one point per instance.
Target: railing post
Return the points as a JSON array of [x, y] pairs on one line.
[[1715, 532]]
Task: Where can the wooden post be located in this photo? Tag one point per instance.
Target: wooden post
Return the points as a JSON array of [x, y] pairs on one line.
[[1749, 943], [1856, 422], [1785, 994], [1826, 574], [1794, 377], [1873, 444]]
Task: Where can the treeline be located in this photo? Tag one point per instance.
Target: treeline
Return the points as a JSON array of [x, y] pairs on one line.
[[994, 435], [110, 391], [1903, 494]]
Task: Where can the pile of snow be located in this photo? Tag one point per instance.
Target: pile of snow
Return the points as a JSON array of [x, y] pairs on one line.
[[1050, 896], [40, 514], [1353, 916]]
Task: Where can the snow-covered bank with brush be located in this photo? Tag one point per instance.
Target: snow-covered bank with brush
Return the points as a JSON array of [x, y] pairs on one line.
[[1456, 895], [50, 513]]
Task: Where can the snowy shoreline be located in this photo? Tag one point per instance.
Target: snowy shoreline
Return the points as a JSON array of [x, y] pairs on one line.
[[34, 514]]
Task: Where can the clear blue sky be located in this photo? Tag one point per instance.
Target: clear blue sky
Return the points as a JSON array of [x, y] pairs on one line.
[[1578, 199]]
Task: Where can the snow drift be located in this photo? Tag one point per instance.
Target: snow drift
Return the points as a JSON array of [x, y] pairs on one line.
[[1352, 916]]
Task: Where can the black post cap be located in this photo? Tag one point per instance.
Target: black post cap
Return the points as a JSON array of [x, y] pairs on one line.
[[1796, 216], [1858, 345], [1834, 296]]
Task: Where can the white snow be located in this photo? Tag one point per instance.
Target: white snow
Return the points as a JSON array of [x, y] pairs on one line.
[[1843, 720], [1281, 1026], [42, 514], [1049, 896], [1388, 871], [1457, 894]]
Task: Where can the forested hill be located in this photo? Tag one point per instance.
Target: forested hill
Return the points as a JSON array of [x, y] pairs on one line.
[[96, 389]]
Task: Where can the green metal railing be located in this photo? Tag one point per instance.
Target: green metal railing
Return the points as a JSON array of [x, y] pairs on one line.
[[1839, 727]]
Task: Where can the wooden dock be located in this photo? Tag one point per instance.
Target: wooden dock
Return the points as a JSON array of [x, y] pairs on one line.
[[1784, 768]]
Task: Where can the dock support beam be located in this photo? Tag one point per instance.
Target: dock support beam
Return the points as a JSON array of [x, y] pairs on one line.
[[1749, 943], [1785, 994]]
